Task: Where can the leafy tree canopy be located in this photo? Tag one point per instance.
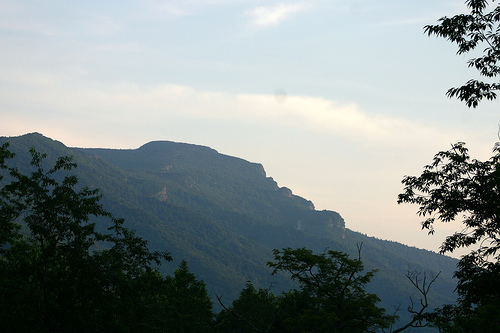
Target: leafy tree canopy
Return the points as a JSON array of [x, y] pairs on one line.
[[331, 298], [456, 187], [477, 29], [336, 284]]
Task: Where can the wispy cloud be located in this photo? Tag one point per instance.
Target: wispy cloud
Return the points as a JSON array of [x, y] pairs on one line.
[[151, 106], [266, 16], [162, 9]]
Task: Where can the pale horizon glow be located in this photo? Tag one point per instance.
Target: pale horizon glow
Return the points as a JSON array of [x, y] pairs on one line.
[[338, 100]]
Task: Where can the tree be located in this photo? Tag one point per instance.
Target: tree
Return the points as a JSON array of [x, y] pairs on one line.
[[189, 306], [331, 298], [480, 28], [57, 273], [8, 229], [454, 187], [420, 318], [333, 288], [255, 310]]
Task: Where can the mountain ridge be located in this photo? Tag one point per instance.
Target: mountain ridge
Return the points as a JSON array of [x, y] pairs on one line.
[[224, 215]]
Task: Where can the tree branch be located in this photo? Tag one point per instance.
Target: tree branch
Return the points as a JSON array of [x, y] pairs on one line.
[[423, 287]]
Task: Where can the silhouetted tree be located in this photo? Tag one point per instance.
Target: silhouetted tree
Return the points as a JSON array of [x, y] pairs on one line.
[[333, 290], [255, 310], [189, 306], [331, 298], [59, 274], [478, 29], [454, 187]]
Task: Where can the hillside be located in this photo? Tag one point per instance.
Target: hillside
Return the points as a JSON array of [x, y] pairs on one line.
[[224, 216]]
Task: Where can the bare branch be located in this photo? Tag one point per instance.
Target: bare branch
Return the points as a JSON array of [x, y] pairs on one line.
[[421, 284], [359, 246]]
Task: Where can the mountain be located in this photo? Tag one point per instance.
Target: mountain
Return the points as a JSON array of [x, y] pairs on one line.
[[224, 216]]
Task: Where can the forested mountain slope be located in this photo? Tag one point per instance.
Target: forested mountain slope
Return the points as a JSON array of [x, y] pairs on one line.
[[225, 216]]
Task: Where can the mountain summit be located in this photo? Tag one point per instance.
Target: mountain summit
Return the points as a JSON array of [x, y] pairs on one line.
[[224, 216]]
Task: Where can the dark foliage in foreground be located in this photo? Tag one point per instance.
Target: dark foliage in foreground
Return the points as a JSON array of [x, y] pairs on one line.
[[58, 274], [453, 188]]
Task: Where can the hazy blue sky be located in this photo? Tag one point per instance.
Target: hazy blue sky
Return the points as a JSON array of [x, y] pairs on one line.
[[337, 99]]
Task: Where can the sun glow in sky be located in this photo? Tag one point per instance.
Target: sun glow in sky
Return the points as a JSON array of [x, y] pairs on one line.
[[339, 100]]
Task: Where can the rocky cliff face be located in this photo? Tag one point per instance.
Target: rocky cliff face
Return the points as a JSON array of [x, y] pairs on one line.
[[200, 178]]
